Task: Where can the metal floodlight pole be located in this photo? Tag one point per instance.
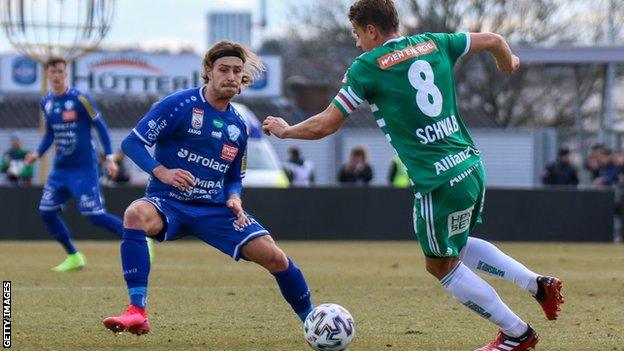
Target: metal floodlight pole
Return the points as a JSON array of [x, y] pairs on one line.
[[41, 29]]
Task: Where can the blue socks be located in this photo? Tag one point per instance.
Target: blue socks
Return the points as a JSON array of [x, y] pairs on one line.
[[295, 290], [108, 221], [57, 228], [59, 231], [135, 263]]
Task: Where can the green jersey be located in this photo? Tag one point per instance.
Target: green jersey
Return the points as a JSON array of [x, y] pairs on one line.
[[410, 87]]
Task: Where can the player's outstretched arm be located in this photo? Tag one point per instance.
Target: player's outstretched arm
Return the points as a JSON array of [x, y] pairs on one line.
[[495, 44], [315, 127]]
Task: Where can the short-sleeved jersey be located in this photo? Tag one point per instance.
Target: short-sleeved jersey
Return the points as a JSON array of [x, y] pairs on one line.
[[69, 117], [190, 134], [410, 87]]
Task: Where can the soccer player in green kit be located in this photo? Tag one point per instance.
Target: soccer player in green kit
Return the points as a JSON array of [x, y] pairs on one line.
[[409, 84]]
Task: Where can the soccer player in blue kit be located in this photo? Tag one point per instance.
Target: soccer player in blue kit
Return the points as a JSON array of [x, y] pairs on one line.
[[195, 187], [69, 116]]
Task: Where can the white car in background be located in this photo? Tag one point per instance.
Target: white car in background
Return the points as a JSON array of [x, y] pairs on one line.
[[264, 168]]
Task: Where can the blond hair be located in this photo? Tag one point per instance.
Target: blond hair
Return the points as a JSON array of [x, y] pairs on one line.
[[252, 66]]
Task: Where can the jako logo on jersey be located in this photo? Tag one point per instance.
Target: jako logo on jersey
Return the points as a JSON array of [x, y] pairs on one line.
[[69, 105], [206, 162], [197, 120], [155, 128], [229, 153], [396, 57], [216, 134], [233, 132]]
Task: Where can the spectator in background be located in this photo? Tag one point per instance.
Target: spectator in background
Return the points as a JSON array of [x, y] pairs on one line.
[[560, 171], [12, 163], [397, 175], [608, 173], [122, 176], [356, 170], [619, 162], [103, 178], [300, 172], [593, 161]]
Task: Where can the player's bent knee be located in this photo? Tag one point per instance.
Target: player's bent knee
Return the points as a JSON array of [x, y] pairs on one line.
[[279, 261], [264, 252], [139, 215]]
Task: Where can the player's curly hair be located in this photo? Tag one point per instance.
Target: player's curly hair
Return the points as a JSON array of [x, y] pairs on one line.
[[252, 64], [380, 13]]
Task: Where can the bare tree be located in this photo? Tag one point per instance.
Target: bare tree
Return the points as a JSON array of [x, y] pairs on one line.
[[320, 45], [320, 48], [525, 98]]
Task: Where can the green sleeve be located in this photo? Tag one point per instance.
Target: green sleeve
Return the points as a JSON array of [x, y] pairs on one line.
[[455, 45], [353, 92]]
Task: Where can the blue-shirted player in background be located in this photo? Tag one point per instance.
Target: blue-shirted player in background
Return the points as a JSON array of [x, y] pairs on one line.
[[195, 188], [69, 116]]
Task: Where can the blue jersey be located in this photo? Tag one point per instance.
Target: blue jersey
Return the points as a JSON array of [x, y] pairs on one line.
[[190, 134], [69, 118]]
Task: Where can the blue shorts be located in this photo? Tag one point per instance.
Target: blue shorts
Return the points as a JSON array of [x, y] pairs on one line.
[[83, 185], [211, 223]]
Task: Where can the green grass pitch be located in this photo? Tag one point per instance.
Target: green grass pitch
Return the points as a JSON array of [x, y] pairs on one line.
[[201, 300]]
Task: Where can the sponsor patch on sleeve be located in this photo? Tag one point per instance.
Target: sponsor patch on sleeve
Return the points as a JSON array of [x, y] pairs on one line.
[[229, 153]]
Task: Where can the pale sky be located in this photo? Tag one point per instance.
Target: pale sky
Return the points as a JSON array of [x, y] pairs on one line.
[[158, 24], [174, 23]]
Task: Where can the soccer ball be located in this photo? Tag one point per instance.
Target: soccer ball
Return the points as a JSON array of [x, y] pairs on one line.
[[329, 327]]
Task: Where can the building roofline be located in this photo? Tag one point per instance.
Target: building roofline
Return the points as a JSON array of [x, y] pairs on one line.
[[570, 55]]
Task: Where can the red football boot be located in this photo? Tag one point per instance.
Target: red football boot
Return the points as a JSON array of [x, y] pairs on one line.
[[549, 296], [506, 343], [133, 320]]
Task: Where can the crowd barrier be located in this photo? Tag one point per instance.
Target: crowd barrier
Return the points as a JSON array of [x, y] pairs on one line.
[[355, 214]]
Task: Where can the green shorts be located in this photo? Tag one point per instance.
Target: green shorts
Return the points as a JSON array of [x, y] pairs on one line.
[[444, 217]]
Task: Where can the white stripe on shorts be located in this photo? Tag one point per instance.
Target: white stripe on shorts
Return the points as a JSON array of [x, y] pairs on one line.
[[432, 224], [236, 254], [427, 214]]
